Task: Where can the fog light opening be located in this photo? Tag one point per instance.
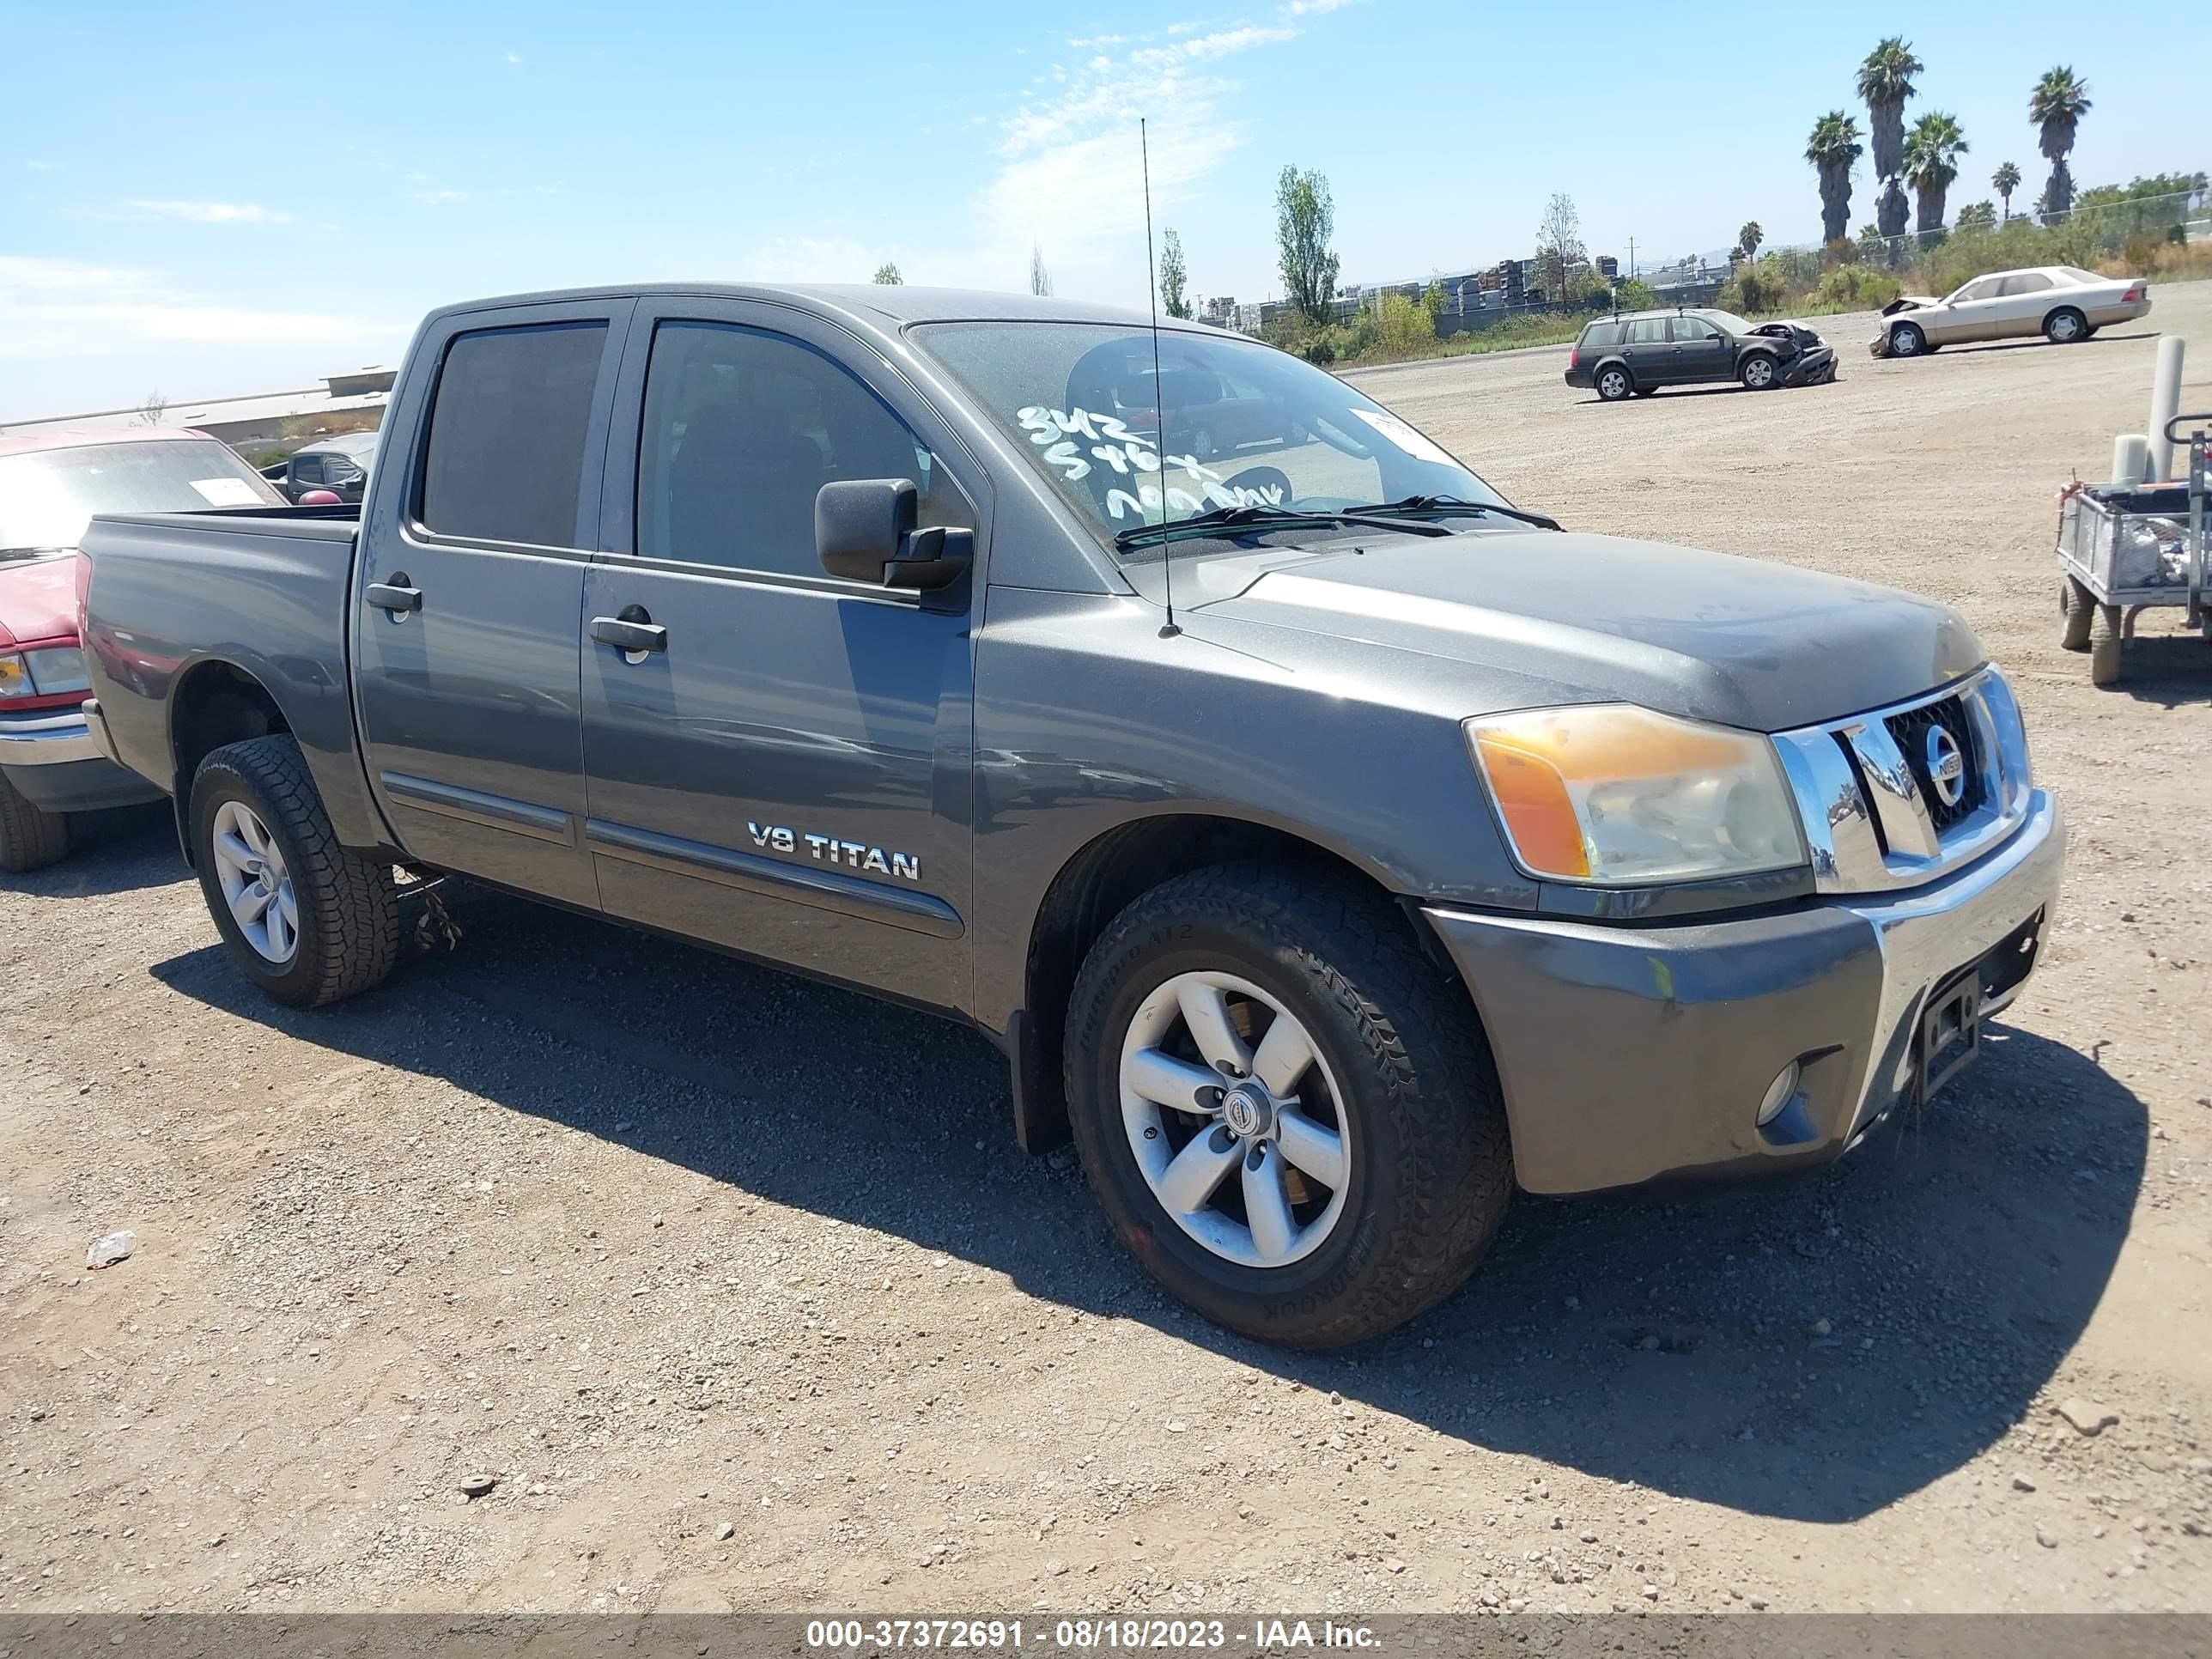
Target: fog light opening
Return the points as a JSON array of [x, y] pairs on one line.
[[1780, 1093]]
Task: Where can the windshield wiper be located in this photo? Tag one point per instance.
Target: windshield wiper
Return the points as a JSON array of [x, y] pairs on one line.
[[1450, 506], [1215, 520]]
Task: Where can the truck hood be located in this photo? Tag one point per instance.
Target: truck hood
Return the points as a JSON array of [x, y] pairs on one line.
[[38, 600], [1571, 617]]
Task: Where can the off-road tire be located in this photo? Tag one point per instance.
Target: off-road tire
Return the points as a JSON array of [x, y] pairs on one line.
[[1432, 1164], [2072, 331], [348, 906], [1614, 384], [2076, 607], [2105, 636], [31, 838]]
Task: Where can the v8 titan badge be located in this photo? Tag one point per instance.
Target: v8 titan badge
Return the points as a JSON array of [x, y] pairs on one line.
[[829, 849]]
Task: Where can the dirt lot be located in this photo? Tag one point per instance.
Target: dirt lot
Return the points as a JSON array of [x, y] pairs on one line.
[[737, 1288]]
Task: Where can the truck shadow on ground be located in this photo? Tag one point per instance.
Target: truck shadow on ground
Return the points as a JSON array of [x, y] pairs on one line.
[[1814, 1349], [118, 851], [2167, 669]]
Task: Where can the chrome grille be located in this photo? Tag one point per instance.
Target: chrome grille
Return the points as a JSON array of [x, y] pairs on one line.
[[1875, 813], [1915, 733]]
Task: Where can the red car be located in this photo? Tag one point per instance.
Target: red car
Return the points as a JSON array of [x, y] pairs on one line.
[[51, 482]]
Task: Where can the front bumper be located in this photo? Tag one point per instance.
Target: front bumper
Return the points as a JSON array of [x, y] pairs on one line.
[[56, 761], [1816, 366], [1626, 1054]]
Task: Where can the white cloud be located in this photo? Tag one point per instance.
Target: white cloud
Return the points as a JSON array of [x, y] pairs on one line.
[[1092, 42], [1071, 177], [214, 213], [1315, 7], [514, 57], [65, 308]]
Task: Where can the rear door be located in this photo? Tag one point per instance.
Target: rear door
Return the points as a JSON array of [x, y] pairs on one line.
[[2023, 298], [786, 770], [1650, 358], [1702, 352], [467, 624]]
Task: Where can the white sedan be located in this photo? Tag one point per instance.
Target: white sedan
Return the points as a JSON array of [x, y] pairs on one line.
[[2060, 302]]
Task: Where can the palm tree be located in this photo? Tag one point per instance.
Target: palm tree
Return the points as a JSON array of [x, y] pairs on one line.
[[1886, 82], [1931, 162], [2004, 181], [1749, 238], [1834, 149], [2059, 102]]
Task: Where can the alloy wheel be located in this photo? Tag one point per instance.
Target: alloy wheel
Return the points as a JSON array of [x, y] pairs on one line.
[[256, 882], [1235, 1121]]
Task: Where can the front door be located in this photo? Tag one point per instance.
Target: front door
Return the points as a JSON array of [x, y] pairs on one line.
[[1702, 352], [466, 625], [781, 761], [1974, 313]]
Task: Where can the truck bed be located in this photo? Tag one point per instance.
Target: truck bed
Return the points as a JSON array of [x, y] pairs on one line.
[[268, 588]]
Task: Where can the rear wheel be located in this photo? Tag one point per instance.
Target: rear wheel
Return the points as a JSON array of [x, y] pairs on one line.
[[1758, 372], [1613, 383], [1288, 1116], [31, 838], [1907, 340], [2065, 325], [2076, 608], [306, 920], [2105, 638]]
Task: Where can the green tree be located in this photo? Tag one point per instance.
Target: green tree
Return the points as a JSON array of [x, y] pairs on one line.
[[2004, 181], [1977, 215], [1931, 165], [1634, 294], [1305, 224], [2057, 106], [1885, 81], [1174, 276], [1834, 150], [888, 275], [1749, 238], [1559, 244], [1432, 298]]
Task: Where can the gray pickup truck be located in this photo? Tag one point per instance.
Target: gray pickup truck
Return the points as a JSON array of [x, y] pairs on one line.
[[1417, 849]]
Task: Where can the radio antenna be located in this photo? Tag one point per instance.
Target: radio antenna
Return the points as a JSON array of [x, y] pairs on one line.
[[1160, 386]]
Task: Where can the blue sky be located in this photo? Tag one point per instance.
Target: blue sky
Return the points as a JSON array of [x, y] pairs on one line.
[[211, 200]]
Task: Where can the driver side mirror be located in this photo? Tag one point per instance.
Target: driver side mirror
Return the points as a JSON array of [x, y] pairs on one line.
[[864, 532]]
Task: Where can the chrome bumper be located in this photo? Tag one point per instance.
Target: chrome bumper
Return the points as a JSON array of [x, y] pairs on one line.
[[1928, 935], [50, 736]]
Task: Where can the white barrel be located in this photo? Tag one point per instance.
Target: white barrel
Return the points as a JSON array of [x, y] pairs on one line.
[[2129, 450], [2165, 405]]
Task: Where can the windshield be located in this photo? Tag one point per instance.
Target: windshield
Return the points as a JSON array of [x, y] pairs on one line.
[[1246, 425], [1729, 321], [48, 495]]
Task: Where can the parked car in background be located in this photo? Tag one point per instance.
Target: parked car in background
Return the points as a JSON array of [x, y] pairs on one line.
[[51, 484], [1636, 352], [339, 464], [2061, 303], [826, 626]]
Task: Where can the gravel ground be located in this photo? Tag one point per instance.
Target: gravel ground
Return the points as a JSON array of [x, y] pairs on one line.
[[718, 1290]]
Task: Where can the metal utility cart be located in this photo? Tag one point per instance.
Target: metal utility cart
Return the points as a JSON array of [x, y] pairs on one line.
[[2125, 551]]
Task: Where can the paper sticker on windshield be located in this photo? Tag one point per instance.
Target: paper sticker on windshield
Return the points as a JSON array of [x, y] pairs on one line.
[[1405, 437], [225, 492]]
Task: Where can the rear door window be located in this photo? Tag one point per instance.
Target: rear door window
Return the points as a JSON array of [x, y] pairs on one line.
[[307, 469], [504, 458], [2027, 282], [1648, 330]]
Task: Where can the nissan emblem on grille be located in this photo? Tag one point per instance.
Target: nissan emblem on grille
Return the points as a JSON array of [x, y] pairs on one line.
[[1947, 767]]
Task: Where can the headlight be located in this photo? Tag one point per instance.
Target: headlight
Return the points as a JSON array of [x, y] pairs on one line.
[[1617, 796], [14, 677], [55, 669]]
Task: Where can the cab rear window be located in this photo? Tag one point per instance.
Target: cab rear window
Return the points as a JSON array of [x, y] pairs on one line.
[[1602, 334]]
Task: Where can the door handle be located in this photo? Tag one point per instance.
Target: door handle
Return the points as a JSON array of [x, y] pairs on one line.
[[393, 596], [633, 631]]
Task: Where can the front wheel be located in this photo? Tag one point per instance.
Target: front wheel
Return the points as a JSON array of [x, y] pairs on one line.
[[1289, 1116], [306, 920], [1907, 340], [1758, 372], [1614, 384], [31, 838]]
